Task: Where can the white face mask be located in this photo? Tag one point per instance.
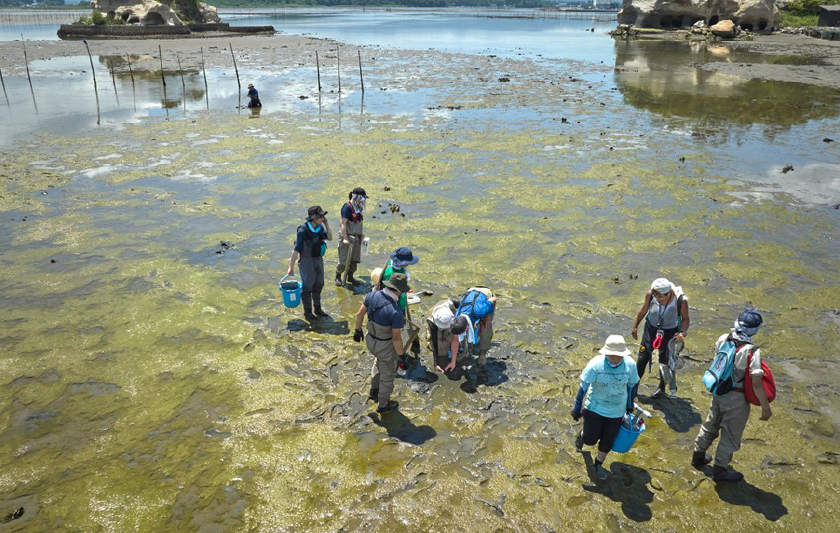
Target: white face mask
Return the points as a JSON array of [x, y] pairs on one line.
[[358, 202]]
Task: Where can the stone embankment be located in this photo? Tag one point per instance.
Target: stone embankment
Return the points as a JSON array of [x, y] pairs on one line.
[[80, 31]]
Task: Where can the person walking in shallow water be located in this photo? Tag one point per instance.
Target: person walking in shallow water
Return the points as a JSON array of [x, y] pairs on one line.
[[729, 412], [608, 382], [310, 245], [384, 338], [665, 313]]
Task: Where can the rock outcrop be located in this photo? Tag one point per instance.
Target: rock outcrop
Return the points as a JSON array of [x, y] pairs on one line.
[[753, 15], [725, 29], [153, 13]]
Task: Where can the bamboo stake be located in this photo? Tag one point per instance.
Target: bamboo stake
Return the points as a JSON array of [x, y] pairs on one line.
[[114, 81], [203, 71], [133, 90], [26, 62], [338, 58], [361, 78], [183, 84], [318, 68], [93, 73], [4, 88], [162, 78], [236, 70]]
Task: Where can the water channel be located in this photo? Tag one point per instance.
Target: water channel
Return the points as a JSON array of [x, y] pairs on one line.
[[152, 380]]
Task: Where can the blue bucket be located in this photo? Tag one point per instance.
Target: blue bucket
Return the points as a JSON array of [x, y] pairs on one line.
[[291, 290], [627, 437]]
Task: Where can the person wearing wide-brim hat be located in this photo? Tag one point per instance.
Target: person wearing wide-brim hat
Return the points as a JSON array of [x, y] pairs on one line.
[[608, 383], [665, 313], [254, 96], [444, 329], [400, 260], [351, 233], [309, 249], [384, 338]]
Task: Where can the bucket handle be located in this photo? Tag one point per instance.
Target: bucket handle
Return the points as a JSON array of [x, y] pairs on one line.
[[286, 276]]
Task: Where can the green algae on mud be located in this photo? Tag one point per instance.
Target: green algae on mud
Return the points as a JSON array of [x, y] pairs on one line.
[[171, 372]]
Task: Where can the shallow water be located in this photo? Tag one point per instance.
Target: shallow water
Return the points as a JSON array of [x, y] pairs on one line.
[[153, 383]]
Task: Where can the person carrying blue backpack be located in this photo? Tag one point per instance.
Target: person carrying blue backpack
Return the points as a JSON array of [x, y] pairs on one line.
[[730, 410], [478, 305]]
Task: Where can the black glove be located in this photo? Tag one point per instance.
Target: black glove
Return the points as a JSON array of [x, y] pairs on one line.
[[415, 347], [358, 335], [576, 415]]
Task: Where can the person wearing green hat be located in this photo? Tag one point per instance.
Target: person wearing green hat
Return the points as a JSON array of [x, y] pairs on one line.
[[310, 245], [384, 338], [400, 260], [351, 233]]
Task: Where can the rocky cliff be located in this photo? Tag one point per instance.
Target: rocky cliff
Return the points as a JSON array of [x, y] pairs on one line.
[[153, 13], [753, 15]]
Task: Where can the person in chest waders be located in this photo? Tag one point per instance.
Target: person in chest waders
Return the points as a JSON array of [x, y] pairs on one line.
[[400, 260], [351, 234], [310, 246], [665, 311], [444, 329], [384, 338], [254, 96]]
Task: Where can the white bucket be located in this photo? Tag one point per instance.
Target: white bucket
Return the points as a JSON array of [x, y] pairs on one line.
[[365, 245]]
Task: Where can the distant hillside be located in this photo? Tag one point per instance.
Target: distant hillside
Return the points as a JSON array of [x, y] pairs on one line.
[[22, 3], [401, 3]]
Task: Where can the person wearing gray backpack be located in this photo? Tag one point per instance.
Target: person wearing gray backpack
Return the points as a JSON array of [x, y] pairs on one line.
[[730, 410]]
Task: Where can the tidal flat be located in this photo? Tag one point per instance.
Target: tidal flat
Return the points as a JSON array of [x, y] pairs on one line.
[[153, 381]]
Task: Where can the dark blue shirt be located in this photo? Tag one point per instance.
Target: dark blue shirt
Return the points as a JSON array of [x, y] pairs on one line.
[[301, 239], [349, 213], [253, 93], [385, 311]]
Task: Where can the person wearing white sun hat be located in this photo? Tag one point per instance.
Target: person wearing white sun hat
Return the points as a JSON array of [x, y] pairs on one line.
[[608, 382]]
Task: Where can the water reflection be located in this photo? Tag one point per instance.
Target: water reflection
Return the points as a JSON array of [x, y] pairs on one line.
[[667, 78]]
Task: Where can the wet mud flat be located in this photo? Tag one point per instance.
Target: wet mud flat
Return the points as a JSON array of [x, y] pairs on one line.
[[153, 381]]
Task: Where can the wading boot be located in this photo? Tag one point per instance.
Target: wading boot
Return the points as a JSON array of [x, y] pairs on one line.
[[660, 393], [316, 300], [601, 471], [338, 282], [306, 298], [700, 459], [721, 474], [373, 395], [392, 405]]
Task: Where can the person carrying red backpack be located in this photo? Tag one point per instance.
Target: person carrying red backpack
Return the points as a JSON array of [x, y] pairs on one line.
[[729, 412]]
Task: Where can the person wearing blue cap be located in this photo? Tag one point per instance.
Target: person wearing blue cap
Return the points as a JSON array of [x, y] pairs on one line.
[[400, 260], [729, 412]]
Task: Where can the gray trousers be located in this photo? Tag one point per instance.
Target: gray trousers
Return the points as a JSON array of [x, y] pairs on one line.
[[343, 250], [312, 275], [728, 417], [384, 368]]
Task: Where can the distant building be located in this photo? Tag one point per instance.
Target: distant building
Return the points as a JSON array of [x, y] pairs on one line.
[[829, 16]]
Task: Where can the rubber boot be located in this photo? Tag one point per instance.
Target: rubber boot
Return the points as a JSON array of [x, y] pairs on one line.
[[374, 395], [316, 300], [350, 271], [306, 298], [700, 459], [721, 474], [338, 282], [579, 441]]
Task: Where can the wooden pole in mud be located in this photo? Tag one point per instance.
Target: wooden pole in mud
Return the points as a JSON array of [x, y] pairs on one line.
[[361, 78], [93, 73], [338, 58], [162, 78], [114, 81], [26, 62], [4, 87], [130, 71], [318, 69], [183, 84], [204, 72], [236, 70]]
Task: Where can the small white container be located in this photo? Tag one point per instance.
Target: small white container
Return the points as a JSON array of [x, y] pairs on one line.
[[365, 245]]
